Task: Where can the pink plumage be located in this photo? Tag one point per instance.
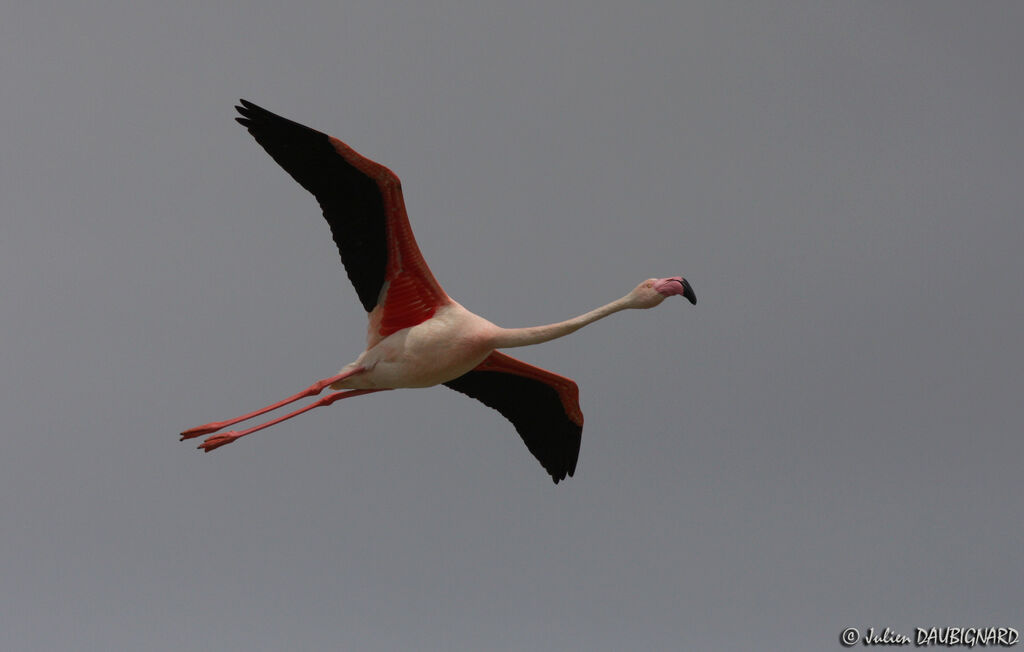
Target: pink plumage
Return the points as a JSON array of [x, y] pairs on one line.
[[418, 336]]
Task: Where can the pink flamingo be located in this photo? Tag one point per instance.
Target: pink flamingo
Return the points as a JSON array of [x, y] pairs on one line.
[[418, 336]]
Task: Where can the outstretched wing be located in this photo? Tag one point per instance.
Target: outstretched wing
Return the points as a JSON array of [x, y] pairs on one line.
[[362, 202], [544, 408]]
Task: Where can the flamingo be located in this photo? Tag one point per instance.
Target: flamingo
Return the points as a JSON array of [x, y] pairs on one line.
[[418, 336]]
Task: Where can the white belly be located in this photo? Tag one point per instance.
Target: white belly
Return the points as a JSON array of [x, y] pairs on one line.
[[440, 349]]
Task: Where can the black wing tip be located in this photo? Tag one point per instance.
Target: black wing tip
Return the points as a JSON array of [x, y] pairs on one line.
[[256, 114], [250, 111], [261, 122], [567, 468], [246, 105], [559, 478]]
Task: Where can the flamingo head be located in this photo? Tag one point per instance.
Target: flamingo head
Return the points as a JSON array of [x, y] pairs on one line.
[[654, 290]]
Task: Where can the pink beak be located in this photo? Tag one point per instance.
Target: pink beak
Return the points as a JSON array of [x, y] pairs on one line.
[[675, 285]]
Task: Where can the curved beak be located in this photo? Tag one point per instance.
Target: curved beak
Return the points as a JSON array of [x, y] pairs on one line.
[[668, 287], [688, 291]]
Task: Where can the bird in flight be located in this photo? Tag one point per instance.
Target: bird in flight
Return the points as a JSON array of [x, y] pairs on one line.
[[418, 336]]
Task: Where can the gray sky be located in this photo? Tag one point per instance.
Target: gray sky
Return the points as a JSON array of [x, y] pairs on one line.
[[830, 438]]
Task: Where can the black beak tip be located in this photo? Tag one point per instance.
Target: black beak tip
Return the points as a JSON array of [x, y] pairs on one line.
[[688, 292]]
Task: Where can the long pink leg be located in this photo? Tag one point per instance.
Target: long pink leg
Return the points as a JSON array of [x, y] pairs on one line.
[[216, 441], [312, 390]]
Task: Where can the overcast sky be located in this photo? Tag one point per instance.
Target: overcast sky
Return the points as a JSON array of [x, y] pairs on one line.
[[830, 438]]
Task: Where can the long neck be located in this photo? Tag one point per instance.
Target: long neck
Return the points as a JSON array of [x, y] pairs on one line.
[[512, 337]]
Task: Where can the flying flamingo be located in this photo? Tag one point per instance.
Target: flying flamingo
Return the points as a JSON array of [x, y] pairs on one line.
[[418, 336]]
